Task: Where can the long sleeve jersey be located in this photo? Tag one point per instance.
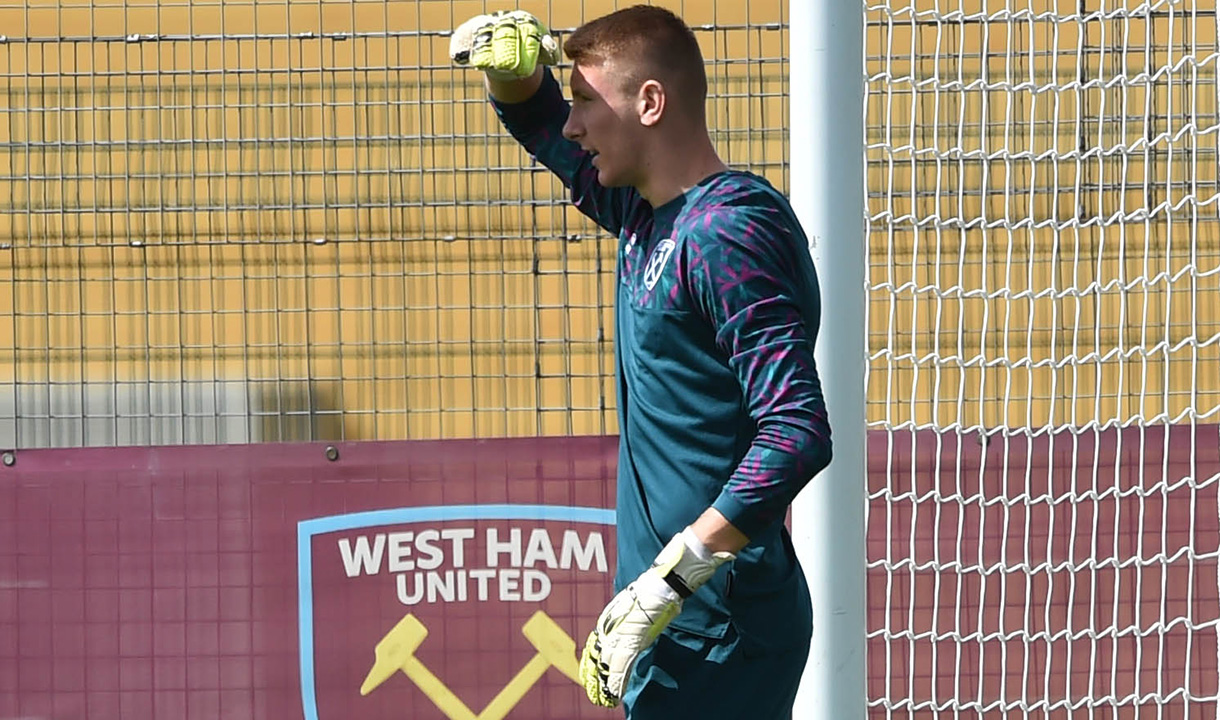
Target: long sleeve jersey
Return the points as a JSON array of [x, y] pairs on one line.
[[719, 401]]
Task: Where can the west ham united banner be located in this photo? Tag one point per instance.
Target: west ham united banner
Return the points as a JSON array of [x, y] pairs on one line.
[[464, 608], [449, 580]]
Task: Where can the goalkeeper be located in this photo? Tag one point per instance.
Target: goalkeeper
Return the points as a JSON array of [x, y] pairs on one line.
[[720, 409]]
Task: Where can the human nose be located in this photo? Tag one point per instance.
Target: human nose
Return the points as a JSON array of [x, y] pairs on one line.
[[571, 129]]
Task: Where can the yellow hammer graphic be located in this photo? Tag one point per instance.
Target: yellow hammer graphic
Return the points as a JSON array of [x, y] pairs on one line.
[[396, 651]]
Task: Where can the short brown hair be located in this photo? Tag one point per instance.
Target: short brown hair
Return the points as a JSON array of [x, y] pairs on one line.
[[660, 44]]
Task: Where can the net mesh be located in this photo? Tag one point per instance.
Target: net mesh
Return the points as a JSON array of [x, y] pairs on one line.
[[1044, 338]]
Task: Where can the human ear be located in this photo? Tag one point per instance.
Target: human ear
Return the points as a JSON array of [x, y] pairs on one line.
[[650, 102]]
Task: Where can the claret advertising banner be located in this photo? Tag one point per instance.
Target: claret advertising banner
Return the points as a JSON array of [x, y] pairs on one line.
[[456, 580], [447, 580]]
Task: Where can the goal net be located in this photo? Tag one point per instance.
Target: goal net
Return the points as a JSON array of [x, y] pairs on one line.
[[1044, 344]]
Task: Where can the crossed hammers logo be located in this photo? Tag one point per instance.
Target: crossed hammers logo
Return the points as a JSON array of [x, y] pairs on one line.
[[396, 651]]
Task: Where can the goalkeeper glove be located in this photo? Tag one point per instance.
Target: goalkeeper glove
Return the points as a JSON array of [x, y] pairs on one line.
[[637, 615], [507, 45]]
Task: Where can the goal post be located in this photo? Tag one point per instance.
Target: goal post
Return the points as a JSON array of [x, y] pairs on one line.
[[826, 184]]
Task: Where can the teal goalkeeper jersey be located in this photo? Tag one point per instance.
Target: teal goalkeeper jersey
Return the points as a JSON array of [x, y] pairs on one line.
[[719, 402]]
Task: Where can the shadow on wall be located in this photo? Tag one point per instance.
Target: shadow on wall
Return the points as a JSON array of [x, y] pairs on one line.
[[168, 412], [297, 411]]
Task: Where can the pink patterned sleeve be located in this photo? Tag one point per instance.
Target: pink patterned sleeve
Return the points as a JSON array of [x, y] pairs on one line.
[[749, 272]]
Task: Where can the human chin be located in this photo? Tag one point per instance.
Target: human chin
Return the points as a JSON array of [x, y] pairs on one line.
[[607, 177]]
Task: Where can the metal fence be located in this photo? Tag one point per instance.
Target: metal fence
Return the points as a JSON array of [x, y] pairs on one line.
[[259, 221]]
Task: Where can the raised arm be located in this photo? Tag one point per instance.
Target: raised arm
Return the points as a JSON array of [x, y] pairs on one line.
[[514, 90], [513, 50]]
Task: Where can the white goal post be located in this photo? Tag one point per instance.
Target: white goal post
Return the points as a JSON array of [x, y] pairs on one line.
[[1026, 309], [826, 189]]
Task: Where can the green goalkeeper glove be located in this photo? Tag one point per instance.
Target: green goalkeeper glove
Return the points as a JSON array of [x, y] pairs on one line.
[[507, 45], [637, 615]]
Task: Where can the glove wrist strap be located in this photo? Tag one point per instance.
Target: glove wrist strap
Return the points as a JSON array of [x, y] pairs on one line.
[[686, 563], [675, 582]]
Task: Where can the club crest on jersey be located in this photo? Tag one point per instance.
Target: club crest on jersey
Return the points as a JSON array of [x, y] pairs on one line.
[[656, 262]]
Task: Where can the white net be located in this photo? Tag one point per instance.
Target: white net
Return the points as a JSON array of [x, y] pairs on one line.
[[1044, 339]]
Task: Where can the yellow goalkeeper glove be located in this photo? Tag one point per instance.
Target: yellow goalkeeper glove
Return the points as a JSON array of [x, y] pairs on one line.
[[637, 615], [506, 45]]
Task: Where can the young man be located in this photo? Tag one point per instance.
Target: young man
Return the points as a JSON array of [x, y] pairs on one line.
[[721, 414]]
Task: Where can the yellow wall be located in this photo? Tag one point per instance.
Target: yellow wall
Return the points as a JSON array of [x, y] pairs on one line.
[[342, 222]]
